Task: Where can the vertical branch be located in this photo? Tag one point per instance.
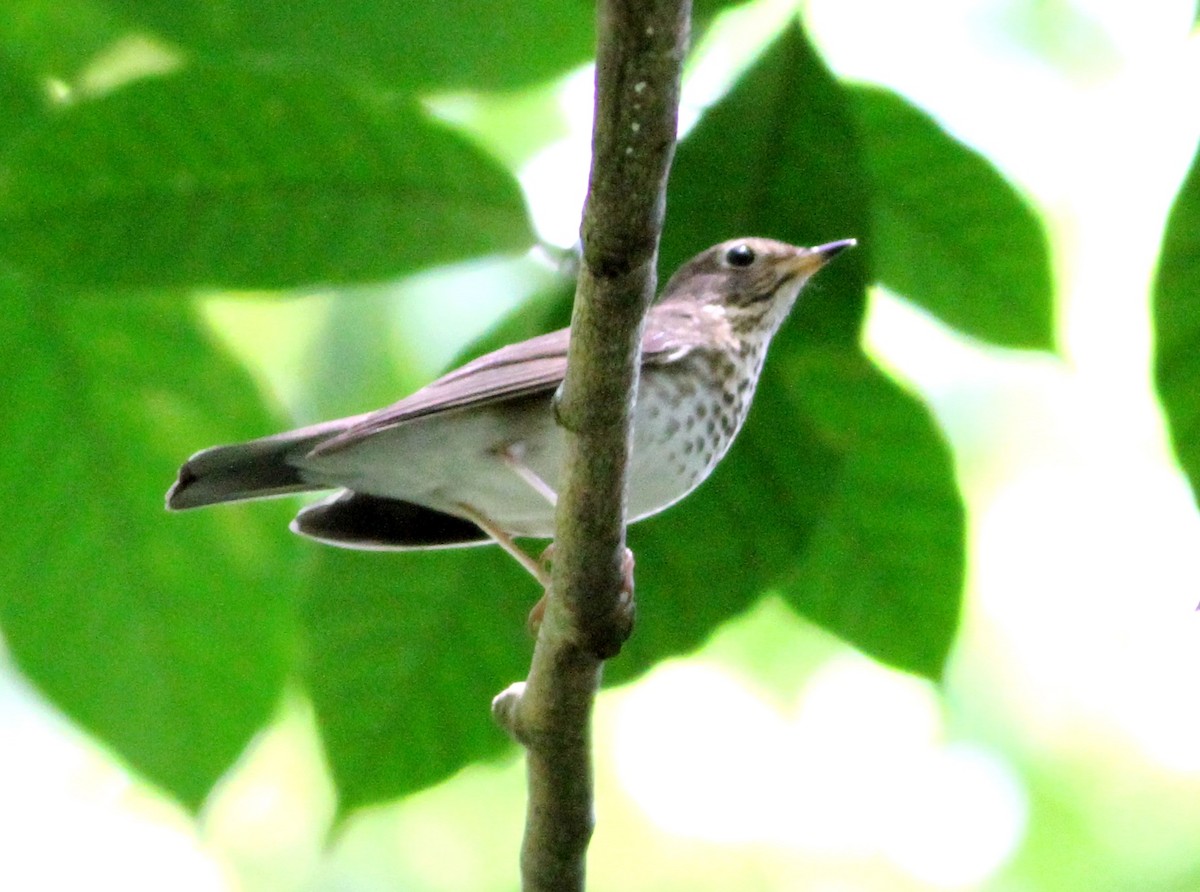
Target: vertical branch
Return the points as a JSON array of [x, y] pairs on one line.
[[640, 50], [640, 56]]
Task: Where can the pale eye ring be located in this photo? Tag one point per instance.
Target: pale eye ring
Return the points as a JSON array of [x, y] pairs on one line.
[[741, 255]]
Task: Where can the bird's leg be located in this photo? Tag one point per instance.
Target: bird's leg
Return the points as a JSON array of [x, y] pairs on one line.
[[534, 622], [505, 541], [513, 457]]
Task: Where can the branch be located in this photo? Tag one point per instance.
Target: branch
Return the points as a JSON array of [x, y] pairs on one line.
[[589, 608]]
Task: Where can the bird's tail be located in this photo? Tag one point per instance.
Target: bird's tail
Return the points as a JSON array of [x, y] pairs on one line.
[[256, 469]]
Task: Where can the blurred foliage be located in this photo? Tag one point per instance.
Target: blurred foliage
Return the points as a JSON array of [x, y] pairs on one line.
[[1061, 33], [56, 38], [402, 665], [19, 100], [243, 178], [282, 150], [762, 160], [949, 232], [142, 631], [1177, 324], [393, 43]]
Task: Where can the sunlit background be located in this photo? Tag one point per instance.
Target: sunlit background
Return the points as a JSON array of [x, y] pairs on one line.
[[1062, 752]]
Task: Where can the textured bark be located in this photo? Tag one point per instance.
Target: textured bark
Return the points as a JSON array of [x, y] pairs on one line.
[[589, 608]]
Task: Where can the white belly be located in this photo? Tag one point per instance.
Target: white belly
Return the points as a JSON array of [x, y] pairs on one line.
[[455, 458]]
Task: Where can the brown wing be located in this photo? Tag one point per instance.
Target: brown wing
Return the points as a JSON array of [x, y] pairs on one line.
[[533, 366]]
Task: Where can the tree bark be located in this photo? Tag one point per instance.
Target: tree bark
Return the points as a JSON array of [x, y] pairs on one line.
[[589, 607]]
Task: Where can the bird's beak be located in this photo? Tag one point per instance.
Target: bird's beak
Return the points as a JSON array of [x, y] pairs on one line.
[[808, 260], [830, 250]]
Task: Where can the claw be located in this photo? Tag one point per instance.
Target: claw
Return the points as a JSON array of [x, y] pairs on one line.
[[624, 614], [536, 615]]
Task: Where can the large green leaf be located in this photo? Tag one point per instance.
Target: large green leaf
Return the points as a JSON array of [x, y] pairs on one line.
[[169, 637], [452, 44], [948, 231], [405, 652], [780, 156], [1177, 325], [885, 567], [240, 178]]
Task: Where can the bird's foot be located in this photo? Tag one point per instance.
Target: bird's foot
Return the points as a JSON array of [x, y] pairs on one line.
[[626, 611], [617, 629]]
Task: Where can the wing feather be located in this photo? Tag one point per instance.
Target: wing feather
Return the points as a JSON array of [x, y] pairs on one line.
[[518, 370]]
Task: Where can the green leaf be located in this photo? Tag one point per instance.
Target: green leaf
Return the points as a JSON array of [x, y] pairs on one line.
[[1177, 325], [949, 232], [168, 637], [452, 44], [778, 156], [405, 652], [243, 179], [20, 102], [885, 567], [352, 364], [56, 38], [546, 310]]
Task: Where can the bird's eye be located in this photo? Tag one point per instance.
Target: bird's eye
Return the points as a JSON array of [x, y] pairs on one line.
[[739, 255]]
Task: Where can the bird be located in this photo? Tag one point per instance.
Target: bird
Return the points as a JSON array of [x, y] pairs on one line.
[[474, 457]]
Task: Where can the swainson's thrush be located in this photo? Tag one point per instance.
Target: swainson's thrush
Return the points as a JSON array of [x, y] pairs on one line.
[[475, 456]]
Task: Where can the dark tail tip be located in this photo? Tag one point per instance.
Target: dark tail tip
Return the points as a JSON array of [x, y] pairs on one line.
[[177, 499]]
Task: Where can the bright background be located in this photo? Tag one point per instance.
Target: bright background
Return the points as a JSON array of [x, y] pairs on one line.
[[1062, 751]]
